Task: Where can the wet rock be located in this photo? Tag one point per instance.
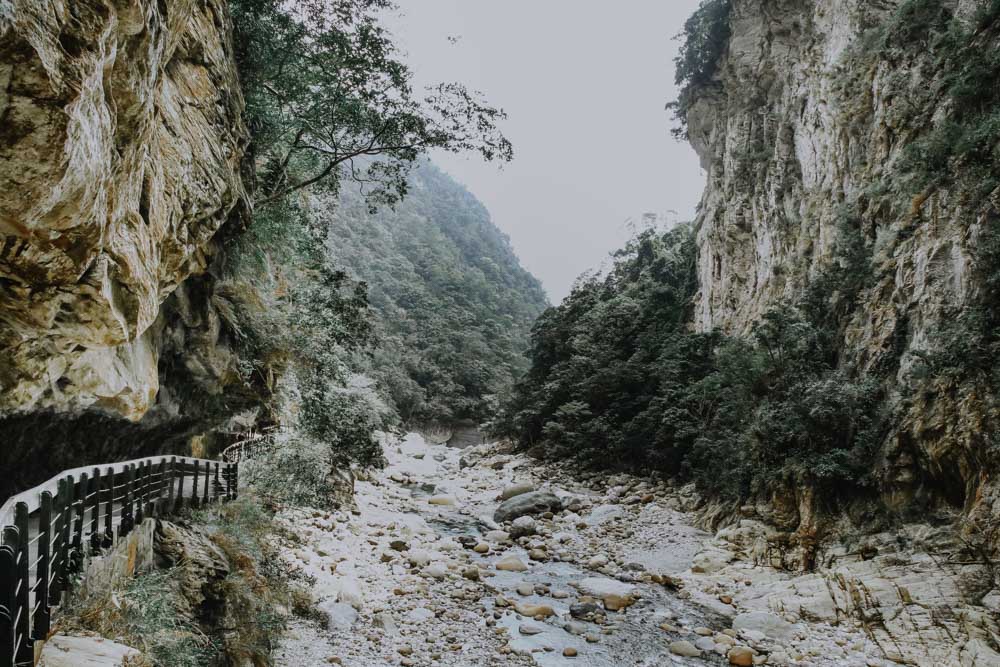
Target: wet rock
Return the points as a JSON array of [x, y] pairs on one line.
[[533, 502], [399, 545], [570, 652]]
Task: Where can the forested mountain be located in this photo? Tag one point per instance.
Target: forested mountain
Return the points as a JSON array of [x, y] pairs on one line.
[[452, 303]]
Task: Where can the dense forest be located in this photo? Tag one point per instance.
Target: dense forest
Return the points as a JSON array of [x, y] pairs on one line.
[[623, 375], [619, 378], [452, 305]]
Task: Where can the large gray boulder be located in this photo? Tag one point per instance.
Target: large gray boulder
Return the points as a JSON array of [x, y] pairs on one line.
[[533, 502]]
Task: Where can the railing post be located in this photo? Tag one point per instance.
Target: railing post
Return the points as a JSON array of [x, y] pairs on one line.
[[208, 479], [227, 477], [156, 505], [126, 502], [25, 649], [55, 566], [236, 480], [194, 487], [109, 510], [64, 542], [216, 485], [40, 624], [8, 580], [95, 511], [170, 484], [141, 482], [76, 558]]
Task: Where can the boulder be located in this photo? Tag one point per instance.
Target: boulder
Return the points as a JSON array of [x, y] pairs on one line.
[[526, 504]]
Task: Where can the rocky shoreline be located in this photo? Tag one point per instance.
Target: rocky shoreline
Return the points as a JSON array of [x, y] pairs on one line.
[[483, 557]]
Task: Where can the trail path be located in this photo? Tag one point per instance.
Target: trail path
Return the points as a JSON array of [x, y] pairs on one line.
[[619, 578]]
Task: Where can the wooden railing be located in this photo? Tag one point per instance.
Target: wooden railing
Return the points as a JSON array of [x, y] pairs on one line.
[[251, 444], [50, 531]]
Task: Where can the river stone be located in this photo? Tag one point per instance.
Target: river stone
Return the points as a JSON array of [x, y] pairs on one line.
[[533, 502], [516, 490], [684, 648], [583, 610], [601, 587], [511, 563], [339, 615], [771, 626], [446, 501], [741, 656], [531, 629], [523, 526], [533, 610]]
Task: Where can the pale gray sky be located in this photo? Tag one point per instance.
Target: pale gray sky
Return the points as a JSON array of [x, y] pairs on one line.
[[585, 83]]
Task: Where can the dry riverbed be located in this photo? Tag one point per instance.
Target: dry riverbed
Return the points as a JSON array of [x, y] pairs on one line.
[[421, 574]]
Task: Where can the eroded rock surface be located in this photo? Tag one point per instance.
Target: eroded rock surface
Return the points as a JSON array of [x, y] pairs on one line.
[[795, 138], [121, 141]]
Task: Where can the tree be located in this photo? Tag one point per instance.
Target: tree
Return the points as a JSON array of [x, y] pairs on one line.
[[324, 87]]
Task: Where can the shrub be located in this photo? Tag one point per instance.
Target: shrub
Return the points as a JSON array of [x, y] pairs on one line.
[[703, 42]]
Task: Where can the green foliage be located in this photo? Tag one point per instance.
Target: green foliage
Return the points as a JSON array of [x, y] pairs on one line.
[[958, 62], [703, 42], [618, 379], [324, 87], [454, 307]]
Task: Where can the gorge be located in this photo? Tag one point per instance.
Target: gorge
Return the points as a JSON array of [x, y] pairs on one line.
[[764, 436]]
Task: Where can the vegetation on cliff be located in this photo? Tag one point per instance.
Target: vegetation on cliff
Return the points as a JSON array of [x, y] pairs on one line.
[[619, 379], [335, 117], [453, 306]]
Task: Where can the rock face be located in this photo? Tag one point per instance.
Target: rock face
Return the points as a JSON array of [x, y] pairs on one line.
[[121, 144], [795, 137]]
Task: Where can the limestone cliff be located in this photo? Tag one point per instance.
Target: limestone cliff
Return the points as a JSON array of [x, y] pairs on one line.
[[801, 130], [121, 145]]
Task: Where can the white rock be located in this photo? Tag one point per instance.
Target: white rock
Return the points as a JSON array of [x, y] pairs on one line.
[[67, 651], [769, 625]]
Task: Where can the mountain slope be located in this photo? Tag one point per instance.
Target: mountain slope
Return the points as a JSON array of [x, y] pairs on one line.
[[453, 304]]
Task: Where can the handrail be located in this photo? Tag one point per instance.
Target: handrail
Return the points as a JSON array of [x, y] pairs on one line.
[[32, 495], [250, 445], [49, 531]]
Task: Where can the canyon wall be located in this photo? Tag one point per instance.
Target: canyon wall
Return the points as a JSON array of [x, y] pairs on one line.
[[121, 146], [800, 133]]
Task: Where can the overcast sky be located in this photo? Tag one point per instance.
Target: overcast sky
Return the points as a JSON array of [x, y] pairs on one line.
[[585, 83]]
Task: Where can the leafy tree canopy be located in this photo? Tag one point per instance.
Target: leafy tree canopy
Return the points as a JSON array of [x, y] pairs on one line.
[[324, 86]]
